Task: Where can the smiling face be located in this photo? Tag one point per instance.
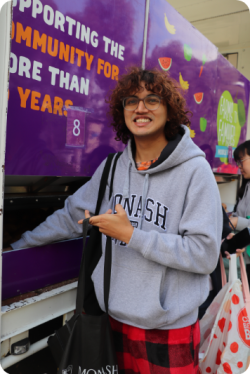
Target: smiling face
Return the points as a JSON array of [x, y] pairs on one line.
[[143, 122]]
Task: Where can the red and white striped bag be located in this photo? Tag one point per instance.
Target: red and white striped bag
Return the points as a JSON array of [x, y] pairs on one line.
[[225, 327]]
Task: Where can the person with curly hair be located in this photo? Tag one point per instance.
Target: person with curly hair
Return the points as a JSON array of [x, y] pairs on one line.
[[165, 219], [168, 90]]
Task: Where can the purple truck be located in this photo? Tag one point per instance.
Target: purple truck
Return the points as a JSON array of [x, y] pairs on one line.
[[64, 58]]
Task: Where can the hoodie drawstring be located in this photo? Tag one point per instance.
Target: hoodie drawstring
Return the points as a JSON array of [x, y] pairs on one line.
[[143, 201], [144, 192], [127, 182]]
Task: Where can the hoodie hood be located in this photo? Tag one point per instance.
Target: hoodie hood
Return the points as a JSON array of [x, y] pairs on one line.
[[181, 150], [185, 150]]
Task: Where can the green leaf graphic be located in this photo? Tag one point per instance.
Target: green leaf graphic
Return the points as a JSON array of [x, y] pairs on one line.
[[204, 59], [241, 113]]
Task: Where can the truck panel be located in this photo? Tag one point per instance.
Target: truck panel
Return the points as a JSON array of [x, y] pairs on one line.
[[67, 54]]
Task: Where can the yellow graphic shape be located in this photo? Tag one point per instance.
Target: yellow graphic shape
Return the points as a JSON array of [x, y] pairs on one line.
[[170, 28], [192, 133], [184, 84]]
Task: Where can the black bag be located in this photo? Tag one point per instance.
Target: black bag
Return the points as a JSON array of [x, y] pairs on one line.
[[85, 342]]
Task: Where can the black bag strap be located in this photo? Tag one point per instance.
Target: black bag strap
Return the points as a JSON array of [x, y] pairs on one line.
[[107, 271], [108, 254], [103, 182], [113, 173], [81, 278]]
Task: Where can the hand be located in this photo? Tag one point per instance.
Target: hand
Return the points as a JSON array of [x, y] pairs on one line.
[[116, 226], [238, 251], [87, 215], [234, 220]]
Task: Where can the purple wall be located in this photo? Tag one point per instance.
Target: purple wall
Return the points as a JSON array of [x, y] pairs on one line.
[[43, 141], [38, 142], [193, 56], [232, 100]]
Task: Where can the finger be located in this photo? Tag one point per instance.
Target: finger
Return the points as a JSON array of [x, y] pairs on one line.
[[227, 255], [109, 211], [94, 220], [87, 214], [230, 236], [102, 219], [240, 250], [119, 208], [103, 231], [99, 220]]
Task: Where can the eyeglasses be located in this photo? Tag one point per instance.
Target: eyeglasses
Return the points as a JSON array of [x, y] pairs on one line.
[[240, 162], [151, 102]]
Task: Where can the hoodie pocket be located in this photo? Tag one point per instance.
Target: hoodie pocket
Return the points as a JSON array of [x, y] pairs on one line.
[[134, 295]]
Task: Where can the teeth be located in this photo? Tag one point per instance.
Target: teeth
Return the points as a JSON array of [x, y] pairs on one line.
[[142, 120]]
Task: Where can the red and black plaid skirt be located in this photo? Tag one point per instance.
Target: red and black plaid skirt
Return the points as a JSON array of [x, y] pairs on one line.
[[156, 351]]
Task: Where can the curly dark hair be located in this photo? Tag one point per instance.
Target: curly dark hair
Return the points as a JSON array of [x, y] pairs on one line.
[[155, 81]]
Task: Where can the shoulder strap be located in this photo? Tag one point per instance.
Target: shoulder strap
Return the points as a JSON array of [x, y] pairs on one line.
[[103, 182], [108, 258], [104, 179], [113, 173], [81, 279]]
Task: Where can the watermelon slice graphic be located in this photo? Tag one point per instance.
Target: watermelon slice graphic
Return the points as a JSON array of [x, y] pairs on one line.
[[165, 63], [198, 97]]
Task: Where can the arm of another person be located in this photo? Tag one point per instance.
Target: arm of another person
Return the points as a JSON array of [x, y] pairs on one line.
[[240, 223], [227, 234], [63, 223], [238, 251]]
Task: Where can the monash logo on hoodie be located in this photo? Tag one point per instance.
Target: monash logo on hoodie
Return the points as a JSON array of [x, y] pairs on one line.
[[154, 211]]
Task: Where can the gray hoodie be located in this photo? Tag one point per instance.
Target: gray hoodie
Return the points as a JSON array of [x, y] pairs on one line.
[[242, 211], [161, 277]]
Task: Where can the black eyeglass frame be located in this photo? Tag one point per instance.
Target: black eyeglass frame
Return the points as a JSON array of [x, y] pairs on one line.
[[239, 163], [131, 110]]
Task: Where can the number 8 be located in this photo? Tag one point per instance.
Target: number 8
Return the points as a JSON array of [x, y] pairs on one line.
[[76, 127]]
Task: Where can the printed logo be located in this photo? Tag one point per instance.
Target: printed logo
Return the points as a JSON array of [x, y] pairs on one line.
[[153, 212], [108, 370], [69, 370], [134, 223], [244, 327]]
